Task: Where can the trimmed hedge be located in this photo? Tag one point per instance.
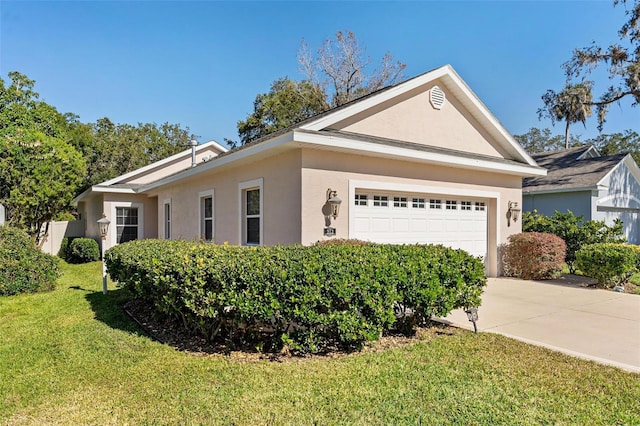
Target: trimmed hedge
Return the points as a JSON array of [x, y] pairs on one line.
[[534, 256], [83, 250], [610, 264], [305, 298], [23, 267]]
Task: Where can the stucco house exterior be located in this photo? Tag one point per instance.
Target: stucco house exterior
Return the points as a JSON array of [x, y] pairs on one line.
[[589, 184], [423, 161]]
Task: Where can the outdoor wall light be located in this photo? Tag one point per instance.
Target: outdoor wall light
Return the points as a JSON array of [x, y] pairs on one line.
[[334, 202], [513, 212], [472, 314], [103, 223]]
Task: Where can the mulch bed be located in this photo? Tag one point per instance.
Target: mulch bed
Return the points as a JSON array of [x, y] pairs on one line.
[[582, 281], [169, 332]]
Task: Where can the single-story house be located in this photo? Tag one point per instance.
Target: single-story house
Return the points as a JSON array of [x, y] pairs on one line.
[[589, 184], [423, 161]]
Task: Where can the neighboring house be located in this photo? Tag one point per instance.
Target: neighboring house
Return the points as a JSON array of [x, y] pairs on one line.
[[423, 161], [581, 180]]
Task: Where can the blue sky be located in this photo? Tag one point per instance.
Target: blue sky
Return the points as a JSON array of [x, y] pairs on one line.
[[201, 64]]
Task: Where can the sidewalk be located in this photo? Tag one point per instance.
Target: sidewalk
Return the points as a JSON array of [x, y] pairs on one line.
[[589, 323]]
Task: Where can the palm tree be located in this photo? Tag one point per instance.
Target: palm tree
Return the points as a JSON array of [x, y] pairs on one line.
[[571, 105]]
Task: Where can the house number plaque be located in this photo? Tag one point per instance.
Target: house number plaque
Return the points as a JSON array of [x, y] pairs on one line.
[[329, 232]]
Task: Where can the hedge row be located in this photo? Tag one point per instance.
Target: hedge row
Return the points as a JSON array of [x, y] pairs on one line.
[[610, 264], [23, 267], [305, 298]]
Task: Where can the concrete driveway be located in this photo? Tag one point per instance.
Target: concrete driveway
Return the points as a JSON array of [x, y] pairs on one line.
[[589, 323]]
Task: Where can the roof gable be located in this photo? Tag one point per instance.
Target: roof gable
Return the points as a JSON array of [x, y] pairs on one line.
[[384, 106], [167, 166]]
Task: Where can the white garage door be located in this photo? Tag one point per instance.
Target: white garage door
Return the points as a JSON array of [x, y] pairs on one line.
[[386, 217]]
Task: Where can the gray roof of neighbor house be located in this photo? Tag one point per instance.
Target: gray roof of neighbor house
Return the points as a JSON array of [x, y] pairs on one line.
[[566, 170]]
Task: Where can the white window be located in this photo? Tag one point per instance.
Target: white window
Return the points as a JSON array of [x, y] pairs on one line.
[[206, 209], [361, 200], [451, 205], [167, 219], [435, 204], [399, 201], [480, 206], [127, 224], [251, 212], [418, 203], [380, 201], [465, 205]]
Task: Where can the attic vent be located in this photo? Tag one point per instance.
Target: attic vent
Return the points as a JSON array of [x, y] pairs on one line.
[[436, 97]]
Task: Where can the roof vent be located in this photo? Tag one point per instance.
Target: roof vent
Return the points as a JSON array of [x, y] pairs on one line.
[[436, 97]]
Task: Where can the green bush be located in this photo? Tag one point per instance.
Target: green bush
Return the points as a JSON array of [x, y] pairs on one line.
[[534, 256], [610, 264], [82, 250], [308, 298], [63, 253], [574, 230], [23, 267]]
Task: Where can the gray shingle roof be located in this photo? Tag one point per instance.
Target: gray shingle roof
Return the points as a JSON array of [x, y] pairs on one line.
[[567, 172]]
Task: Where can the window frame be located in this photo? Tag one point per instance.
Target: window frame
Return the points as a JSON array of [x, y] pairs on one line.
[[166, 218], [113, 229], [202, 195], [243, 189]]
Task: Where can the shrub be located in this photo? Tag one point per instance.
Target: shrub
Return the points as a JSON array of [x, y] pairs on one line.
[[610, 264], [574, 230], [534, 256], [83, 250], [63, 253], [309, 298], [23, 267]]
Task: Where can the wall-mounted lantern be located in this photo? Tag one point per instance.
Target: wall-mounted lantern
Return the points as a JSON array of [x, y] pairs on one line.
[[334, 202], [513, 212]]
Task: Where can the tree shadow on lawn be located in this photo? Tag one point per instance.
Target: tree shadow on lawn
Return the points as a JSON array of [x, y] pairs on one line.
[[108, 308]]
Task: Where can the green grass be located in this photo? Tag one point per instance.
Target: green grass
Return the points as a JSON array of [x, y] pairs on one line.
[[72, 357]]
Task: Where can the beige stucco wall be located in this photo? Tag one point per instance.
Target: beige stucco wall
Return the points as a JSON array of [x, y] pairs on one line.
[[90, 210], [281, 197], [411, 118], [150, 216], [324, 169]]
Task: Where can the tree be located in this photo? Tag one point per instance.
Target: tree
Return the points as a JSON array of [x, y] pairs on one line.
[[539, 140], [617, 143], [335, 76], [287, 102], [40, 175], [20, 108], [571, 105], [343, 67], [111, 149], [621, 59]]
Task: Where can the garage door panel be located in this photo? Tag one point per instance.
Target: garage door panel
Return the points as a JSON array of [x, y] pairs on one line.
[[462, 226]]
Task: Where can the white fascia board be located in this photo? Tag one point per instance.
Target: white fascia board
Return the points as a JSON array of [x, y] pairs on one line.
[[159, 163], [413, 155], [631, 166], [100, 188], [453, 77], [219, 162]]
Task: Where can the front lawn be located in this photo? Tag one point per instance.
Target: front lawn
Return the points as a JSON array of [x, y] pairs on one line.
[[72, 357]]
